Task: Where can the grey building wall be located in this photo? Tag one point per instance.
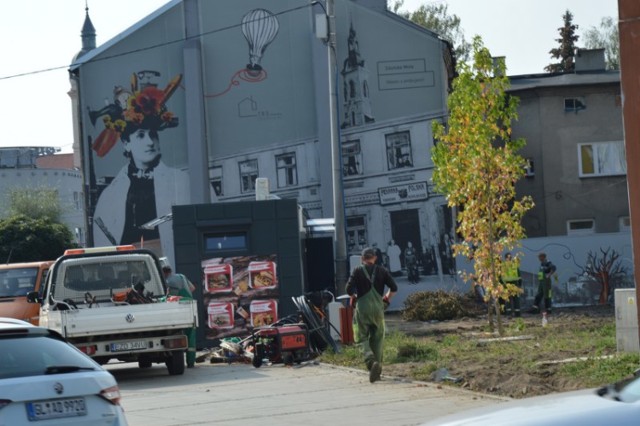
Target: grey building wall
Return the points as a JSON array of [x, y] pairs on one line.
[[553, 135], [391, 76]]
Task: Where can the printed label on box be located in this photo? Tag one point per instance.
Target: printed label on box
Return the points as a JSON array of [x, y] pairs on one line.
[[263, 312], [220, 315], [218, 278], [262, 275]]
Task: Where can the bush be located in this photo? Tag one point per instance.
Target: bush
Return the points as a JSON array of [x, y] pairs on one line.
[[437, 305]]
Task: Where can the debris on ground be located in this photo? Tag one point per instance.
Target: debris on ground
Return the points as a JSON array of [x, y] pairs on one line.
[[298, 337]]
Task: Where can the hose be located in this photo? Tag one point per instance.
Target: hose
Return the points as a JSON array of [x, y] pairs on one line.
[[318, 332]]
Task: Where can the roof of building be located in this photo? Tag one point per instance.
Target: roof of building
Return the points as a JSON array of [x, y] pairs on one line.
[[88, 56], [535, 81]]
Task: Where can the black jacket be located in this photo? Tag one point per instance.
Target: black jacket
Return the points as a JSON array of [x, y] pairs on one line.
[[360, 285]]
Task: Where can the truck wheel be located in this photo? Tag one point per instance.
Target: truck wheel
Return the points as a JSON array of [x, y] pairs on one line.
[[175, 363], [144, 361]]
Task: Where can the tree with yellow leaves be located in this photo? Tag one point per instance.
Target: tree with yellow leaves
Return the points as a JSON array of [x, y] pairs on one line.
[[477, 166]]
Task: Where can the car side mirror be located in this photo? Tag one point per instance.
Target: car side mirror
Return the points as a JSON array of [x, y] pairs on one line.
[[32, 297]]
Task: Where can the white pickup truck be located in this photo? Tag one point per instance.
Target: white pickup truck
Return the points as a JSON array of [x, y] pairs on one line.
[[111, 303]]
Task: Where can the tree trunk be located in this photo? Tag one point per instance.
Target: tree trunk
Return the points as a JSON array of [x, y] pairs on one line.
[[604, 291]]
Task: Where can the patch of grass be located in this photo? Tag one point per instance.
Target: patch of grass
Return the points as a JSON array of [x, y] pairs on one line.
[[518, 325], [458, 350], [596, 372]]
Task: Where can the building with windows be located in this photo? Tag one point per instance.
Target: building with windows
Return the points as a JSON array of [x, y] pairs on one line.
[[575, 146], [227, 92], [36, 169]]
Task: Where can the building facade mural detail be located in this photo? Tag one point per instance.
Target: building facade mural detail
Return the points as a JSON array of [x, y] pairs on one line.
[[144, 187]]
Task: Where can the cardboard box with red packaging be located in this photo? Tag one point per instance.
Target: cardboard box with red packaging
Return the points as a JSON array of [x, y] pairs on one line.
[[262, 275], [263, 312], [220, 315], [218, 278]]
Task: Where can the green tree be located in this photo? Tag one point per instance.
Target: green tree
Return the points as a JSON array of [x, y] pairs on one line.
[[436, 17], [25, 239], [41, 202], [606, 37], [476, 168], [567, 50]]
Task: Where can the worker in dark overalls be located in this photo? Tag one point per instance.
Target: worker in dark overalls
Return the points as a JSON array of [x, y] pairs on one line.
[[368, 282]]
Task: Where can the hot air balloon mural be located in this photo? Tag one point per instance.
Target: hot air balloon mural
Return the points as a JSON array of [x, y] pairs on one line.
[[259, 27]]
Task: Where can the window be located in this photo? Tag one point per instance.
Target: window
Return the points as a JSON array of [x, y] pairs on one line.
[[286, 169], [215, 178], [351, 158], [399, 150], [225, 241], [581, 226], [248, 175], [602, 159], [574, 104], [356, 233]]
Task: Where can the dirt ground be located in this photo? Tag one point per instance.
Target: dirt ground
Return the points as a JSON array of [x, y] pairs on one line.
[[501, 376]]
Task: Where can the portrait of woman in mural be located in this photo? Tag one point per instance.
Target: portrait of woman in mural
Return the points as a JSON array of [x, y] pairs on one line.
[[144, 188]]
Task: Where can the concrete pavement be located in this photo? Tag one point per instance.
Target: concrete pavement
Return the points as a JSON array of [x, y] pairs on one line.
[[309, 394]]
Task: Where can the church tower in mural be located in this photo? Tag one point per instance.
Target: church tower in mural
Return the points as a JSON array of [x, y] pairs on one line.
[[357, 104]]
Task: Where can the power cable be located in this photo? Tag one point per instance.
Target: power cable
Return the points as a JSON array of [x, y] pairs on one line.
[[143, 49]]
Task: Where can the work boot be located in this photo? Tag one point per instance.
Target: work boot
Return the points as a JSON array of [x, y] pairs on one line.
[[369, 363], [374, 373], [534, 310]]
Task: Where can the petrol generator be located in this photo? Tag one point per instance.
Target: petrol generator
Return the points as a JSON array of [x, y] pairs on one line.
[[285, 343]]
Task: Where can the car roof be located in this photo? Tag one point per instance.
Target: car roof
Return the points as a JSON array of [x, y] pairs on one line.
[[45, 263], [13, 323]]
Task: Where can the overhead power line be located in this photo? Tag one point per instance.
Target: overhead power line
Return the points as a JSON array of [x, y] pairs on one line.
[[143, 49]]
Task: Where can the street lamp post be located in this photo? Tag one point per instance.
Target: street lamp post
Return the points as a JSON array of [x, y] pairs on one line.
[[340, 248]]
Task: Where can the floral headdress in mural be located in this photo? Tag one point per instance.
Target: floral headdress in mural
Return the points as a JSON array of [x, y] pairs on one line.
[[142, 108]]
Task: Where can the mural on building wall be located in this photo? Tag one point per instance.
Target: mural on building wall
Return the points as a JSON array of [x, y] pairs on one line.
[[259, 27], [145, 187], [357, 103], [239, 293]]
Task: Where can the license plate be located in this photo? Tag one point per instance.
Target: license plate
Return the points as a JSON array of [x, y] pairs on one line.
[[56, 409], [128, 346]]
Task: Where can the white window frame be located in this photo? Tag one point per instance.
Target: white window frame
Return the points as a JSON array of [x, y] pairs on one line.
[[248, 175], [287, 169], [600, 164], [577, 227]]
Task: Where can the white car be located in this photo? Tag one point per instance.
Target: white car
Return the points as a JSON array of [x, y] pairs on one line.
[[617, 404], [44, 379]]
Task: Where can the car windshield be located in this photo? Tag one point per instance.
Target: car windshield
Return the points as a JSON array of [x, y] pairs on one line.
[[17, 282], [627, 391], [102, 278], [33, 355]]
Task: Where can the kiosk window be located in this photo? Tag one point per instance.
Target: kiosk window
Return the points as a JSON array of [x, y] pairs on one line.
[[217, 242]]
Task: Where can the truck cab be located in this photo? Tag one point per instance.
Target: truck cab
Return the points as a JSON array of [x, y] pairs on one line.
[[111, 303], [16, 281]]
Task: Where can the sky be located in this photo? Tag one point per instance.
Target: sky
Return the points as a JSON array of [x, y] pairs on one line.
[[42, 35]]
